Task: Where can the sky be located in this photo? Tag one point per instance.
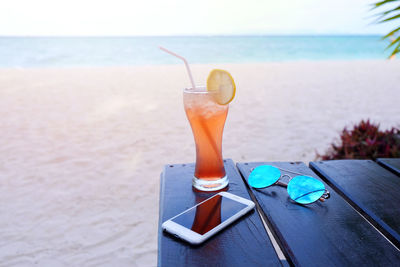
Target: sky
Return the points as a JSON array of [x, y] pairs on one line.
[[186, 17]]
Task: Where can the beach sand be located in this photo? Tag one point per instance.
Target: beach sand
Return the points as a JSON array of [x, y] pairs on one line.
[[82, 149]]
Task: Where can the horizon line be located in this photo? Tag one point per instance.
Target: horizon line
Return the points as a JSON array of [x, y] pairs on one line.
[[196, 35]]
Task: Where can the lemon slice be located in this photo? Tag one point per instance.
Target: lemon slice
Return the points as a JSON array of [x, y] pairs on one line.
[[221, 81]]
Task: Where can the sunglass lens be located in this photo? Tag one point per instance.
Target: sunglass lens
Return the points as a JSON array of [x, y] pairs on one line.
[[305, 189], [263, 176]]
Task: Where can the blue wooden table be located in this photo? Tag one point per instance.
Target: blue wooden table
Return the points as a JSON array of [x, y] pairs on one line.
[[358, 226]]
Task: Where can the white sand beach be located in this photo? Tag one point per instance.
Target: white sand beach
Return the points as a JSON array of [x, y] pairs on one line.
[[82, 149]]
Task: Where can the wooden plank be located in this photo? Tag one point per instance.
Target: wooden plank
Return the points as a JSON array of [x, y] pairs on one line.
[[245, 243], [329, 233], [369, 188], [392, 164]]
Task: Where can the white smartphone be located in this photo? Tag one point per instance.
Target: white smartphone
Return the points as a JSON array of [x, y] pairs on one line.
[[200, 222]]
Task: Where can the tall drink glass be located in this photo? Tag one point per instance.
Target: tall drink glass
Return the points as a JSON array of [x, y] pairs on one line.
[[207, 119]]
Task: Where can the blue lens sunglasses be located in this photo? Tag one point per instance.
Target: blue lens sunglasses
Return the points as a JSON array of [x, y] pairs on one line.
[[302, 189]]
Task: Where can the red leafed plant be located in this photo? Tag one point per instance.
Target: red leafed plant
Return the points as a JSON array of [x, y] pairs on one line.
[[365, 141]]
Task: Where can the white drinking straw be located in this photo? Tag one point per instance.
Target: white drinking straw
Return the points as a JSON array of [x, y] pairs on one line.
[[205, 128], [184, 60]]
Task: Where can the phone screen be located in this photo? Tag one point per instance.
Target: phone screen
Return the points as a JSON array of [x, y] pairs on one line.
[[209, 214]]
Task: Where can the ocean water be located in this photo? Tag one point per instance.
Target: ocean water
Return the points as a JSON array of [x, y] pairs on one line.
[[121, 51]]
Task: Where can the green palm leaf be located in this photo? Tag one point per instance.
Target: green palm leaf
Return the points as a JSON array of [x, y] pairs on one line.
[[396, 50], [390, 11], [391, 33], [378, 4], [386, 16], [391, 18], [393, 42]]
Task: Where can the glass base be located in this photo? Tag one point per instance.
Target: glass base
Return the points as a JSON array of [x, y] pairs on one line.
[[214, 185]]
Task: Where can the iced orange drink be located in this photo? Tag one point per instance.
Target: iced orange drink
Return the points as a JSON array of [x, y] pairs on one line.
[[206, 110], [207, 119]]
